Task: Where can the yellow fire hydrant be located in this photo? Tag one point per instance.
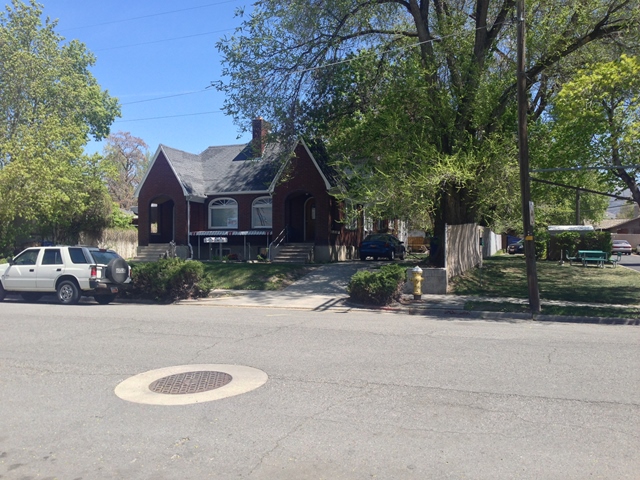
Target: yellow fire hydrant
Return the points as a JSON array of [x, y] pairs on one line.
[[416, 277]]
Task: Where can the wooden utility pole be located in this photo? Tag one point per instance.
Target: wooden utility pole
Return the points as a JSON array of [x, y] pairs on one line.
[[523, 155]]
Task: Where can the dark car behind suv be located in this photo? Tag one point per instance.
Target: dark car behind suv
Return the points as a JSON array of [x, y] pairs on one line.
[[381, 245]]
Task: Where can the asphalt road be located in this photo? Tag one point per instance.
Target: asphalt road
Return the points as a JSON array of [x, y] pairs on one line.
[[355, 395], [631, 261]]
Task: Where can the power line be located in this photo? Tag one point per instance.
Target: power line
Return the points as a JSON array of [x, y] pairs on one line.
[[163, 40], [151, 15], [167, 116], [167, 96]]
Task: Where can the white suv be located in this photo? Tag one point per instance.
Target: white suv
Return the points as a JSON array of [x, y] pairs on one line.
[[70, 272]]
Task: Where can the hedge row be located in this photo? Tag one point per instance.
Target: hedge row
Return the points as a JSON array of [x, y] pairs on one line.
[[377, 288], [171, 279]]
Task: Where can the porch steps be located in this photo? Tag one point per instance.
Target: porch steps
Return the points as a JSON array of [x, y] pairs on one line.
[[294, 253], [150, 253]]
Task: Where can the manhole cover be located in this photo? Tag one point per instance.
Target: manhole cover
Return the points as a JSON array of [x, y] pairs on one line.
[[190, 382]]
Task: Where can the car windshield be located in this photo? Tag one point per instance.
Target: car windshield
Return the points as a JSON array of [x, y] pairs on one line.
[[103, 257]]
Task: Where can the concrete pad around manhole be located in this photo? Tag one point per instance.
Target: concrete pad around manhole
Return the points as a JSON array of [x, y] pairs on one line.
[[137, 388]]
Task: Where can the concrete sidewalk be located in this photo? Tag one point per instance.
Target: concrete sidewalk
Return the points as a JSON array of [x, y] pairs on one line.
[[324, 288]]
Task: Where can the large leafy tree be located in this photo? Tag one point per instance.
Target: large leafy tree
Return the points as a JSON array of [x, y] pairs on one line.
[[419, 93], [125, 162], [50, 106], [597, 120]]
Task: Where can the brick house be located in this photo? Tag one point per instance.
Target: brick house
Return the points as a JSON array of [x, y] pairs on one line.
[[245, 198]]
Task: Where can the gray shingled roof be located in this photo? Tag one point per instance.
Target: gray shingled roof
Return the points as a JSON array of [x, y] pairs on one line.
[[225, 169]]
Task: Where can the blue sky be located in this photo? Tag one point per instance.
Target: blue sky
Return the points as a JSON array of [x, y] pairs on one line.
[[146, 50]]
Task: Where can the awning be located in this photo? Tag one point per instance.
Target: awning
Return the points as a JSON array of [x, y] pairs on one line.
[[569, 228], [230, 233]]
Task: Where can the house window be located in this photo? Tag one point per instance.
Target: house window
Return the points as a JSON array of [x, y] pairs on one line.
[[261, 212], [223, 213]]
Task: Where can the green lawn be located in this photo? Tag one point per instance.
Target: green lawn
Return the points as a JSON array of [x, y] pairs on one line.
[[254, 276], [505, 276]]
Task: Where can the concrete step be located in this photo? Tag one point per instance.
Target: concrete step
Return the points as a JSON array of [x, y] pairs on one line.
[[150, 253], [295, 253]]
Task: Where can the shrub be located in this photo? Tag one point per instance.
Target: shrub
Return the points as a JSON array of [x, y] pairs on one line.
[[597, 241], [171, 279], [568, 242], [377, 288], [541, 240]]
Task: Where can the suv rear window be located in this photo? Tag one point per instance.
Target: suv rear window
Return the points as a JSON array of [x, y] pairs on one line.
[[103, 257], [77, 255]]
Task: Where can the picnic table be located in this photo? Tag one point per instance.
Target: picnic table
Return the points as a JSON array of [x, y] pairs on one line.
[[593, 256]]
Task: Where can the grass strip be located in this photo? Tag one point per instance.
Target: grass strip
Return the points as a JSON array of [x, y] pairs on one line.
[[571, 310], [506, 276], [254, 276]]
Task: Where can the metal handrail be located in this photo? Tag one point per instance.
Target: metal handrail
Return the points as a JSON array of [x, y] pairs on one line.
[[278, 240]]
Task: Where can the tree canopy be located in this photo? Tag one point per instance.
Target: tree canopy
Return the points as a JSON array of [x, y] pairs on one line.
[[125, 162], [597, 118], [416, 97], [50, 106]]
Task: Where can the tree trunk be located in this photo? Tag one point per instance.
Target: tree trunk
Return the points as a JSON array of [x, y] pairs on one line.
[[456, 208]]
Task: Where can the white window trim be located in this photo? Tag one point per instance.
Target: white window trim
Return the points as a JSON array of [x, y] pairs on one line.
[[257, 202], [220, 204]]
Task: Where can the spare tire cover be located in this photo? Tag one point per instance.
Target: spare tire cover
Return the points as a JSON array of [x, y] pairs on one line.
[[117, 270]]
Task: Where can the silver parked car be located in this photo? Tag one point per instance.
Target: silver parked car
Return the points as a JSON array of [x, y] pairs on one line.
[[621, 246]]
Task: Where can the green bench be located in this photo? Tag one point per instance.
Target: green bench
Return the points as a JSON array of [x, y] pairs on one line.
[[593, 256], [615, 259]]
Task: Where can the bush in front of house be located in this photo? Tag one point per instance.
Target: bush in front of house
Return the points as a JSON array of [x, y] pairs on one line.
[[377, 288], [170, 279]]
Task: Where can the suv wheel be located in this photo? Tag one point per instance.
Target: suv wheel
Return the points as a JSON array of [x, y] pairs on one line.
[[2, 292], [105, 299], [68, 292]]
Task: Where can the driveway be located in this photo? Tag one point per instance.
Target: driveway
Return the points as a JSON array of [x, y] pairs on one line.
[[631, 261]]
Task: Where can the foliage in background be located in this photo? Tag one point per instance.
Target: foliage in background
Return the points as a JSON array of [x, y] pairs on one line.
[[597, 116], [121, 220], [50, 106], [377, 288], [596, 241], [125, 162], [171, 279], [541, 238], [418, 97], [568, 242]]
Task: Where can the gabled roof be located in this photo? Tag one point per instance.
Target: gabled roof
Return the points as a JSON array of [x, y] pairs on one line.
[[615, 223], [232, 169]]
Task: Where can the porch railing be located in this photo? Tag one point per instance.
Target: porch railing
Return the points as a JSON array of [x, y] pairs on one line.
[[280, 238]]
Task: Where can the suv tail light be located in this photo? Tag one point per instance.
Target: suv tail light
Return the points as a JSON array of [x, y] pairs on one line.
[[94, 272]]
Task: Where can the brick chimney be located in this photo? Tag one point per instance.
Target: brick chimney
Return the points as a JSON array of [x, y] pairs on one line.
[[260, 132]]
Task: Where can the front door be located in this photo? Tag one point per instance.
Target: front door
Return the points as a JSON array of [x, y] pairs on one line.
[[310, 220], [21, 274]]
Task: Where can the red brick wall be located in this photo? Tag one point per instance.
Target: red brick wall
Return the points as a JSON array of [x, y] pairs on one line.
[[303, 177], [161, 181]]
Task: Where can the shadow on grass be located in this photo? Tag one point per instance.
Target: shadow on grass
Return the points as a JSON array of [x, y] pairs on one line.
[[505, 276]]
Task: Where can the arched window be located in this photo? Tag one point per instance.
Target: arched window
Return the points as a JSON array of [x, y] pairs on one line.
[[261, 212], [223, 213]]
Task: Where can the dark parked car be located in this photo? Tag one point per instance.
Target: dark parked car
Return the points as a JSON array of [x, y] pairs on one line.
[[517, 247], [381, 245]]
